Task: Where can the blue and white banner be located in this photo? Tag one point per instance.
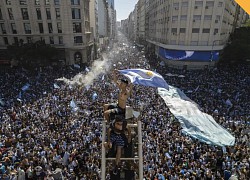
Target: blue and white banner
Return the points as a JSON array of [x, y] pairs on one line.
[[195, 123], [145, 77], [182, 55]]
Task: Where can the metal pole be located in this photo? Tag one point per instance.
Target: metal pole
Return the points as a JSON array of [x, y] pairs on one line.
[[103, 150], [140, 150]]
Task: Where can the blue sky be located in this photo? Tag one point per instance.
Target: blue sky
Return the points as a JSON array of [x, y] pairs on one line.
[[123, 8]]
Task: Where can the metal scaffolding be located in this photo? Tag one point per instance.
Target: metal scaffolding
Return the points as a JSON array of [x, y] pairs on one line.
[[138, 158]]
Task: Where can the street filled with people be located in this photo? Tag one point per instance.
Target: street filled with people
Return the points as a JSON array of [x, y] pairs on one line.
[[52, 130]]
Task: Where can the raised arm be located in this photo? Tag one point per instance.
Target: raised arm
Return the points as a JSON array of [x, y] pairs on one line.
[[115, 78]]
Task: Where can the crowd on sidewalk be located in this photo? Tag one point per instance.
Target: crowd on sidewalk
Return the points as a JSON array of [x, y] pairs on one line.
[[42, 137]]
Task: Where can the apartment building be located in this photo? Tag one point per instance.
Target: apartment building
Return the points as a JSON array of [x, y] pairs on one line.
[[141, 21], [93, 4], [103, 24], [112, 18], [65, 24], [190, 33]]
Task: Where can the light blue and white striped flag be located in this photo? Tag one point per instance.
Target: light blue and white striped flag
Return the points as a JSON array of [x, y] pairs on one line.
[[145, 77], [194, 122]]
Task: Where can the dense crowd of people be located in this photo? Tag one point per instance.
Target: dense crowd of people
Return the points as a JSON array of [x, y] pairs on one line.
[[44, 137]]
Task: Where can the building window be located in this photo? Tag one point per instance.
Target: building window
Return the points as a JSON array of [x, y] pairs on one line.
[[50, 27], [174, 18], [13, 28], [75, 2], [205, 30], [76, 13], [174, 30], [210, 3], [51, 40], [38, 14], [8, 2], [78, 39], [220, 4], [58, 14], [197, 17], [3, 28], [25, 13], [216, 31], [29, 39], [16, 40], [40, 27], [5, 39], [184, 4], [176, 6], [198, 3], [60, 40], [77, 27], [208, 17], [181, 42], [10, 14], [194, 43], [218, 17], [48, 13], [23, 2], [182, 30], [57, 2], [37, 2], [173, 42], [59, 27], [183, 17], [46, 2], [1, 15], [27, 28], [195, 30]]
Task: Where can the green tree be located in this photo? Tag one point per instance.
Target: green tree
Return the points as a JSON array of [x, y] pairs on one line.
[[32, 53], [238, 50]]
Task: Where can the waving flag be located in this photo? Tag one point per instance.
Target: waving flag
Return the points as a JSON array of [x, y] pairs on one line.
[[77, 66], [56, 86], [94, 96], [145, 77], [195, 123], [2, 103], [26, 87], [73, 105]]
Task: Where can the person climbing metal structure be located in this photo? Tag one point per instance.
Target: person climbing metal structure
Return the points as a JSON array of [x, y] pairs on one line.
[[118, 137]]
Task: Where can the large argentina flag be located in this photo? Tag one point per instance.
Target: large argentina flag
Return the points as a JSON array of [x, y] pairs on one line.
[[193, 121], [145, 77]]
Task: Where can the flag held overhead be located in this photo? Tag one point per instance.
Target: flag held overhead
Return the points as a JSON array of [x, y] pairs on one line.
[[145, 77]]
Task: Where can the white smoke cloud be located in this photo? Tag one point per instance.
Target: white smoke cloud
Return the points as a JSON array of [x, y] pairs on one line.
[[97, 68]]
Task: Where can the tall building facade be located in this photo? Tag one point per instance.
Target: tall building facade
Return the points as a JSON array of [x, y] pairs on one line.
[[63, 24], [190, 33], [141, 21], [93, 4], [112, 18], [103, 24], [186, 33]]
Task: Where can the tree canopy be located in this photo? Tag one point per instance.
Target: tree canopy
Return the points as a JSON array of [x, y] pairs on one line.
[[238, 50], [32, 53]]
